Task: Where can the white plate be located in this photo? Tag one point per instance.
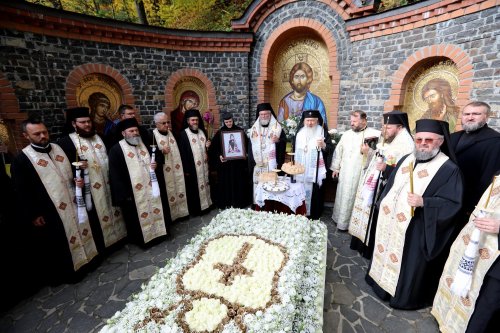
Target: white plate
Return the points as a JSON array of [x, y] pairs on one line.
[[279, 187]]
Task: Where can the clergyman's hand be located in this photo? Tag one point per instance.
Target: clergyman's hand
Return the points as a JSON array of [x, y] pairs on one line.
[[335, 174], [415, 200], [487, 224]]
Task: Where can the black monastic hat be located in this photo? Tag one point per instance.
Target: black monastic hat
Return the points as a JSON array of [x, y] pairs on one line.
[[430, 125], [127, 123], [79, 112], [439, 127], [397, 117], [311, 114], [227, 116], [265, 107]]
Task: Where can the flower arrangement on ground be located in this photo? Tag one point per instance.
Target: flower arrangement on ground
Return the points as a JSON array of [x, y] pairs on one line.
[[245, 272]]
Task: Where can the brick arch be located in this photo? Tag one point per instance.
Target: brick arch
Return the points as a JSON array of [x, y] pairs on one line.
[[11, 114], [426, 54], [79, 72], [170, 104], [281, 34]]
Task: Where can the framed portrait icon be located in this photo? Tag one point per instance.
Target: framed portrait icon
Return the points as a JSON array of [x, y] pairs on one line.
[[233, 145]]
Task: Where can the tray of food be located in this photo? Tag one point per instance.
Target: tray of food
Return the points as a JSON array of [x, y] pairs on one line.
[[293, 169], [276, 187]]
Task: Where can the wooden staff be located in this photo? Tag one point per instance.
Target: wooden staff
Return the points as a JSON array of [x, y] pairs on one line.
[[411, 186]]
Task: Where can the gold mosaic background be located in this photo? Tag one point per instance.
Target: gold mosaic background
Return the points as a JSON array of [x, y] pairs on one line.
[[104, 84], [194, 84], [312, 51], [414, 105]]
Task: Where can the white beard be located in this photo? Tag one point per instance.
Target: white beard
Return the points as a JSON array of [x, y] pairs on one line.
[[425, 155]]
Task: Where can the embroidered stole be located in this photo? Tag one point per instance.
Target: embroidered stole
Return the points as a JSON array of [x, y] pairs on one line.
[[110, 218], [451, 311], [263, 148], [174, 175], [402, 145], [394, 218], [197, 142], [56, 175], [149, 209], [307, 154]]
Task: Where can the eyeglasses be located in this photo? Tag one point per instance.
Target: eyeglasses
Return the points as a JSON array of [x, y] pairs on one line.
[[426, 140], [163, 122]]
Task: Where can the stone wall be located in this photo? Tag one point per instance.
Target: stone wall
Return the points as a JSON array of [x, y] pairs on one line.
[[38, 53], [38, 67], [374, 61]]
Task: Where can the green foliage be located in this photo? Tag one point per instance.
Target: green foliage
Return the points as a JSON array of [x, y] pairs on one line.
[[211, 15]]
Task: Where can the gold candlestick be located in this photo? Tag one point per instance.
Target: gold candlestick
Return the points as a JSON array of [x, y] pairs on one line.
[[411, 186]]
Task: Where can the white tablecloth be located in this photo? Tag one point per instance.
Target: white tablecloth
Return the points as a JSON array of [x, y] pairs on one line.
[[293, 198]]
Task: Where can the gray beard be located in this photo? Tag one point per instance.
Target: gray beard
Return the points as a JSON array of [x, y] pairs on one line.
[[134, 141], [473, 127], [425, 155], [264, 122]]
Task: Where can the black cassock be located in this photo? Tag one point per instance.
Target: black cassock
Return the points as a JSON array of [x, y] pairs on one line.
[[190, 177], [122, 195], [232, 188], [48, 246], [478, 156], [427, 241]]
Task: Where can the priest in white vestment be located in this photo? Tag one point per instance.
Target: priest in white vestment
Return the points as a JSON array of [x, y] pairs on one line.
[[396, 142], [172, 170], [468, 297], [349, 161], [312, 148], [266, 150]]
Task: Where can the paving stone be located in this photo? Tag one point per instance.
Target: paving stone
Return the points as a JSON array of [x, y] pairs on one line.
[[110, 267], [100, 295], [119, 272], [120, 256], [369, 327], [332, 276], [346, 327], [60, 299], [331, 321], [353, 288], [85, 288], [143, 273], [130, 289], [348, 313], [427, 325], [82, 323], [109, 309], [344, 272], [162, 258], [327, 301], [29, 321], [342, 295], [48, 322], [373, 310], [396, 325], [409, 315]]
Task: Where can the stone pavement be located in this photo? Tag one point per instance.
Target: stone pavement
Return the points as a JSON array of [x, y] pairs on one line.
[[350, 305]]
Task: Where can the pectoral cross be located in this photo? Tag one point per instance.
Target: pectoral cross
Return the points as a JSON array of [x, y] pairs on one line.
[[229, 272]]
